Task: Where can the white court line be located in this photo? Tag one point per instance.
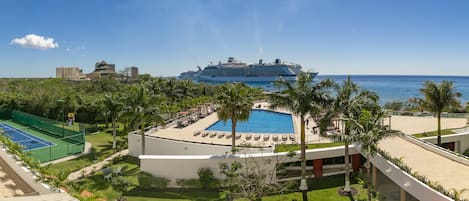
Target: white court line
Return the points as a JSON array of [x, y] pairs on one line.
[[27, 135]]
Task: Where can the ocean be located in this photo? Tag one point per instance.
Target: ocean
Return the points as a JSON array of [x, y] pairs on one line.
[[401, 87], [390, 87]]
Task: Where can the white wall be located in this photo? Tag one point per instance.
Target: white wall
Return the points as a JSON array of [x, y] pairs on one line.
[[161, 146], [461, 139], [175, 167]]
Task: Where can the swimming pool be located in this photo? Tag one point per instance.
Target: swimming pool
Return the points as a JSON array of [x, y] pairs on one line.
[[260, 121]]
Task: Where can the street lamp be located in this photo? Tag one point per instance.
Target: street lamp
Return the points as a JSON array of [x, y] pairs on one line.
[[63, 118]]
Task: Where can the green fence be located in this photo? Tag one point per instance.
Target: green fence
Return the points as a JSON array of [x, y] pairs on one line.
[[66, 142], [49, 126], [60, 149]]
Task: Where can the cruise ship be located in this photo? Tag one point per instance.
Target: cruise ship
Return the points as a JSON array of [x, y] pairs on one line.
[[236, 71]]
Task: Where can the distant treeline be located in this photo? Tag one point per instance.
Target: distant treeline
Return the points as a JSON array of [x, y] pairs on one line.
[[44, 97]]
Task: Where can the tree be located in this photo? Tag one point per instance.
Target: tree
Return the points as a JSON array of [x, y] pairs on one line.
[[302, 98], [113, 106], [142, 108], [235, 101], [254, 178], [369, 131], [438, 97], [350, 100]]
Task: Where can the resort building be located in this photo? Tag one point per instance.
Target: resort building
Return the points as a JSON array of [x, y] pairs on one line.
[[201, 143], [103, 69], [70, 73]]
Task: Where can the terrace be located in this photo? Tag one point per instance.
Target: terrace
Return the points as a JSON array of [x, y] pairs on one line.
[[196, 132]]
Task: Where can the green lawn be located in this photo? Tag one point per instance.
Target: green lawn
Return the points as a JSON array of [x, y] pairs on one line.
[[294, 147], [324, 189], [101, 148], [434, 133]]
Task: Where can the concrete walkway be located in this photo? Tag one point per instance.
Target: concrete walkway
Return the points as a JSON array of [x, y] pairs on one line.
[[437, 168], [95, 167], [47, 197]]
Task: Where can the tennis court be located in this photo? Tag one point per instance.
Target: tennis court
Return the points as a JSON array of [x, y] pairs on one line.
[[29, 141], [43, 139]]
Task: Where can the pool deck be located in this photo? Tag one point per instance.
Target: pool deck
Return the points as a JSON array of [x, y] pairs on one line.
[[187, 133]]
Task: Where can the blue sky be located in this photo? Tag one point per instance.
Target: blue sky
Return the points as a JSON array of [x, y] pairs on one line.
[[167, 37]]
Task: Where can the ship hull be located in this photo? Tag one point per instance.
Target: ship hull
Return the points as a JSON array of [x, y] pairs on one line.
[[202, 78], [244, 79]]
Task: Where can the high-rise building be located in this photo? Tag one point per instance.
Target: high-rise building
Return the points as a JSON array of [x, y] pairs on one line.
[[70, 73], [133, 71]]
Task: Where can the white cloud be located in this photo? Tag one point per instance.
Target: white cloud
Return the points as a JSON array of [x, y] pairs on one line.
[[35, 41]]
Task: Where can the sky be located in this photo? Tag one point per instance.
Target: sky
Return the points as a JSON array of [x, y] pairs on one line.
[[167, 37]]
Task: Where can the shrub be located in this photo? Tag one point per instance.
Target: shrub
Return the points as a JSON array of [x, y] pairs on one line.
[[206, 179], [188, 183], [148, 181]]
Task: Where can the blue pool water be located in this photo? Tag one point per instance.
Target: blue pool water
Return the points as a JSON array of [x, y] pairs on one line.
[[260, 121]]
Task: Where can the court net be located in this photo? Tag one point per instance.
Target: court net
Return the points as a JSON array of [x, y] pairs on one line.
[[65, 142]]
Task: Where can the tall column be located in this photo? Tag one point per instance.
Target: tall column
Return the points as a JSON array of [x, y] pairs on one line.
[[317, 168], [356, 162], [403, 195], [373, 174]]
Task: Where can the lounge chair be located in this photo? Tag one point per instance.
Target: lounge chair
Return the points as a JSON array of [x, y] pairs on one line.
[[106, 171], [248, 136], [228, 136], [238, 135], [284, 137], [197, 133], [205, 133], [275, 137], [108, 177], [257, 137], [292, 138], [213, 134], [266, 137], [118, 171], [221, 135]]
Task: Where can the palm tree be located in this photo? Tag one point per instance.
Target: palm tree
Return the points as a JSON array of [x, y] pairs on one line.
[[302, 98], [369, 131], [235, 101], [348, 103], [142, 108], [438, 97], [113, 105]]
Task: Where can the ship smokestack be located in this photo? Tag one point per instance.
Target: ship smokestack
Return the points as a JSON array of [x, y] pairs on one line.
[[260, 61], [277, 61]]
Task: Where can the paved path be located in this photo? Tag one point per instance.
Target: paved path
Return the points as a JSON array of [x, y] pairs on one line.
[[47, 197], [95, 167], [437, 168]]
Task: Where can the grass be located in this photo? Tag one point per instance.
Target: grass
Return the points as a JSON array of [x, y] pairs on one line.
[[101, 148], [434, 133], [323, 189], [130, 170], [295, 147]]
